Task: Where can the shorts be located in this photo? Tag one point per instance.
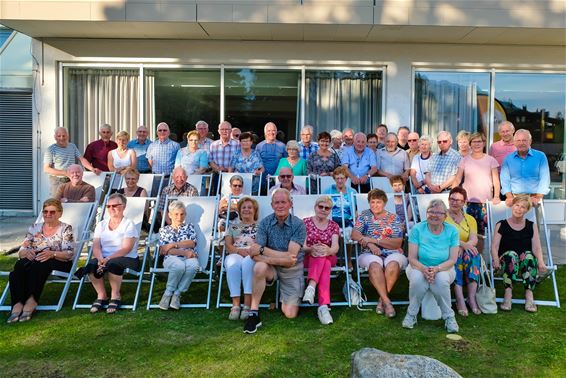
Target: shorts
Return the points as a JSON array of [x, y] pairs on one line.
[[291, 283], [115, 266], [366, 259]]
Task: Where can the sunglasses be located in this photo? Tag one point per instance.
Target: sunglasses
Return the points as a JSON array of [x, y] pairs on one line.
[[113, 206], [325, 208], [442, 141], [285, 176], [237, 185], [161, 131], [49, 212], [412, 140]]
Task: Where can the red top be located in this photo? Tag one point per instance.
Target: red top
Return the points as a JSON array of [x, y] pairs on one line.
[[97, 153]]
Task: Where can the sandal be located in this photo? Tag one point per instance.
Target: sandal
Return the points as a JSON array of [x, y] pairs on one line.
[[506, 305], [26, 316], [113, 306], [234, 313], [389, 310], [543, 276], [476, 311], [463, 313], [530, 306], [97, 305], [14, 317], [379, 308]]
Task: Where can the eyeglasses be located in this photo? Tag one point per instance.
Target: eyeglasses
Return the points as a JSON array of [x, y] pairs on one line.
[[285, 176], [49, 212], [193, 140], [325, 208], [436, 213], [455, 200], [237, 185], [113, 206], [443, 141], [412, 140]]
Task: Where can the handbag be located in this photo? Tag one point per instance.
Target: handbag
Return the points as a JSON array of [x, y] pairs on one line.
[[429, 307], [357, 296], [485, 295]]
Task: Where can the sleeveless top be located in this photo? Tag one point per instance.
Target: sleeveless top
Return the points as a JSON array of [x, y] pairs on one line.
[[121, 162], [136, 193], [513, 240]]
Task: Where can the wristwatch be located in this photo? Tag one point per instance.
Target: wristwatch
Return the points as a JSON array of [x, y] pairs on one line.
[[261, 249]]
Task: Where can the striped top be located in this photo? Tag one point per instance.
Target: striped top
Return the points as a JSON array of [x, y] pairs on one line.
[[61, 157]]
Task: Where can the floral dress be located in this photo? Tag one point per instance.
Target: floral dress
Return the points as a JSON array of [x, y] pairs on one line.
[[168, 235], [62, 240], [243, 235]]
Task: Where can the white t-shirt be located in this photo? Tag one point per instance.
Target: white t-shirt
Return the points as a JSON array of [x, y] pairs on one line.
[[111, 240], [420, 166]]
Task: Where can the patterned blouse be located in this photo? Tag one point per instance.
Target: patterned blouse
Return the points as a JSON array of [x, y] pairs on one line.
[[62, 240], [243, 235], [168, 235], [317, 164], [248, 164], [388, 226], [317, 236]]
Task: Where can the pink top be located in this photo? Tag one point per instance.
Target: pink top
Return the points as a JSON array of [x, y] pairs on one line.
[[477, 177], [499, 150], [318, 236]]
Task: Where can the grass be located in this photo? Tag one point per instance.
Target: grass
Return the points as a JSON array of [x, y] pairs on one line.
[[196, 342]]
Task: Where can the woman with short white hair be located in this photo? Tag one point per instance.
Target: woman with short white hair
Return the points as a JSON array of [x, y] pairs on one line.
[[297, 164]]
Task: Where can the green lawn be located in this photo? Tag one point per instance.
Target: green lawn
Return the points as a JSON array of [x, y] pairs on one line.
[[197, 342]]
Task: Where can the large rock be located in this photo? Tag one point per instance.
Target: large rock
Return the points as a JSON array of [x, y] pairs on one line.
[[370, 362]]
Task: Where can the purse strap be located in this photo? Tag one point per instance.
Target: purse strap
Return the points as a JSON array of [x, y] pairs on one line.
[[484, 273]]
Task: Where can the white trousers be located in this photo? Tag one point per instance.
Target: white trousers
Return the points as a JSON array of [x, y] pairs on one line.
[[181, 274], [440, 289], [239, 270]]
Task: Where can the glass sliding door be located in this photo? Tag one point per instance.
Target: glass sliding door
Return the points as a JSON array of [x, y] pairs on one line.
[[254, 97], [340, 99]]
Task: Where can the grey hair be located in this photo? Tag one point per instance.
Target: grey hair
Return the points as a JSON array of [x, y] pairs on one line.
[[282, 190], [526, 132], [392, 134], [293, 145], [75, 165], [236, 178], [437, 203], [201, 122], [176, 205], [105, 126], [510, 124], [425, 138], [335, 134], [119, 196], [324, 199], [307, 128], [444, 132]]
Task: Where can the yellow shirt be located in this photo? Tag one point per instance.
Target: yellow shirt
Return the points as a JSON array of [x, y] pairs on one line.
[[465, 227]]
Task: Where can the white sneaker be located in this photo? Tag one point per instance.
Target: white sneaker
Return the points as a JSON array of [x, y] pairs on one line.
[[324, 315], [245, 313], [309, 294], [409, 321], [164, 302], [175, 302], [451, 325]]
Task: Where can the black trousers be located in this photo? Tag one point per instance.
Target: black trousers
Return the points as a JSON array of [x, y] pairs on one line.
[[28, 278]]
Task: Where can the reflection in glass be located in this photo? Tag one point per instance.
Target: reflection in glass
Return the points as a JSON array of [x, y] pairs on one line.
[[451, 101], [341, 99], [255, 97]]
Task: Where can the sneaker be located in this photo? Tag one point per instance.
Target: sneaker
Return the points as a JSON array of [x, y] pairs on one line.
[[175, 302], [324, 315], [164, 302], [245, 313], [234, 313], [451, 325], [409, 322], [309, 294], [252, 324]]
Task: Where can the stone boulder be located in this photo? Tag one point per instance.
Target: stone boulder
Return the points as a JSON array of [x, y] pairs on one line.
[[370, 362]]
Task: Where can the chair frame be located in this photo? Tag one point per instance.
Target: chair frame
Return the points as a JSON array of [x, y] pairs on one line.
[[199, 182]]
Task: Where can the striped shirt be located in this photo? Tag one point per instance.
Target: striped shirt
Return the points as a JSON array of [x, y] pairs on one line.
[[221, 154], [162, 156], [205, 144], [61, 157], [443, 166]]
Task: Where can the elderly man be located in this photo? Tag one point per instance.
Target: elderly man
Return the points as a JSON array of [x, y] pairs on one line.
[[336, 142], [60, 156], [97, 152], [179, 187], [443, 166], [277, 255], [392, 160], [361, 163], [271, 150], [381, 132], [221, 152], [403, 136], [76, 190], [306, 145], [235, 134], [413, 142], [525, 171], [500, 149], [285, 178], [204, 141], [140, 146], [348, 138], [161, 153]]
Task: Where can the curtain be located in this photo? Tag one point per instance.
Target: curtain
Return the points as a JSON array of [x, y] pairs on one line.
[[443, 105], [98, 96], [341, 99], [149, 105]]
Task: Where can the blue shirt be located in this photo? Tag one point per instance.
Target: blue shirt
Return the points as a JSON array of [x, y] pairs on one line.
[[162, 156], [443, 166], [276, 236], [337, 201], [528, 175], [434, 249], [305, 152], [359, 165], [270, 154], [141, 150]]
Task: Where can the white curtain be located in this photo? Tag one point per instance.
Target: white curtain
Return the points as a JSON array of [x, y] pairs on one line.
[[98, 96], [340, 99], [443, 105], [149, 106]]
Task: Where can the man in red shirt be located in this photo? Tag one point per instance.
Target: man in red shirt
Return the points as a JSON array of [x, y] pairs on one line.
[[97, 152]]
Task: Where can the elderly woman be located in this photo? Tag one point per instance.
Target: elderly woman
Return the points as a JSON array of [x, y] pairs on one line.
[[516, 250], [177, 243], [433, 250], [336, 140], [115, 248], [230, 211], [340, 176], [193, 159], [238, 264], [247, 160], [297, 164], [463, 139], [47, 246], [122, 157], [468, 264], [323, 162], [320, 250], [380, 234], [419, 165], [131, 178]]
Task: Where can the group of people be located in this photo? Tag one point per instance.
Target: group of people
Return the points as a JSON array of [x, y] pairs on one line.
[[442, 249]]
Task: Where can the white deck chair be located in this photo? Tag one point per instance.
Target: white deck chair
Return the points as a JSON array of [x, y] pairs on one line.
[[381, 183], [151, 182], [135, 210], [325, 182], [422, 202], [360, 204], [501, 211], [224, 187], [201, 182], [297, 180], [202, 214], [102, 183], [303, 207], [79, 216]]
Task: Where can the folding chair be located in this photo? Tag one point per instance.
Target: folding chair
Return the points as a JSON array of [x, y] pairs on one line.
[[303, 207], [224, 187], [325, 182], [423, 200], [135, 210], [79, 215], [297, 180], [501, 211], [360, 203], [202, 183], [151, 182], [381, 183], [102, 183], [202, 214]]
